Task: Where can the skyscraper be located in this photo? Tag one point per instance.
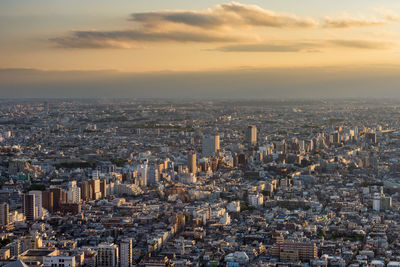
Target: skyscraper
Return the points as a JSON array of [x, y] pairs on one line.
[[142, 174], [251, 135], [48, 201], [103, 188], [85, 191], [95, 189], [4, 214], [29, 207], [126, 253], [38, 203], [192, 164], [58, 198], [210, 145]]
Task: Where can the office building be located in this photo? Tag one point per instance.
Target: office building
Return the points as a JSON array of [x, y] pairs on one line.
[[59, 261], [126, 253], [376, 202], [192, 164], [74, 193], [293, 251], [251, 135], [103, 188], [107, 255], [85, 191], [29, 207], [4, 214], [370, 138], [142, 174], [95, 189], [210, 145], [59, 197], [38, 202], [48, 201]]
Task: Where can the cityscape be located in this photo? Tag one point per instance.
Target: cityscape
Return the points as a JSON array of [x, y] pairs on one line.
[[191, 183], [213, 133]]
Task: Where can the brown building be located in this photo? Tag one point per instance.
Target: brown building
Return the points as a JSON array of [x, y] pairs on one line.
[[95, 189], [70, 208], [292, 251], [103, 188], [59, 197], [85, 191], [48, 201], [4, 213], [192, 163], [156, 261]]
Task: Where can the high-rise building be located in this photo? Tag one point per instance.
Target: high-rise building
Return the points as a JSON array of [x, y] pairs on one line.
[[85, 191], [48, 201], [59, 197], [95, 189], [95, 174], [376, 202], [386, 203], [142, 174], [336, 139], [103, 188], [210, 145], [38, 202], [4, 214], [29, 207], [153, 175], [107, 255], [370, 138], [251, 135], [192, 164], [74, 193], [380, 202], [126, 253]]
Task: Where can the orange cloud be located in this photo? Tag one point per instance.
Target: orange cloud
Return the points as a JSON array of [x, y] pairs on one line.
[[230, 14], [306, 46], [351, 22], [192, 26]]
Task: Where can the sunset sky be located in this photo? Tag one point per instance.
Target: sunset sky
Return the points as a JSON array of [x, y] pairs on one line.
[[58, 43]]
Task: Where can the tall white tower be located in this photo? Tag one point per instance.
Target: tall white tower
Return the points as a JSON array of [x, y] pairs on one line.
[[376, 202]]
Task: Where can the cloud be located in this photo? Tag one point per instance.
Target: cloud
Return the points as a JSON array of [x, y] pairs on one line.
[[123, 39], [218, 24], [191, 18], [75, 41], [361, 44], [271, 47], [388, 14], [342, 23], [305, 46], [230, 14]]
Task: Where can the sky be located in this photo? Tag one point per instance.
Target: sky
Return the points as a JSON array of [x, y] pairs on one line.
[[209, 49]]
